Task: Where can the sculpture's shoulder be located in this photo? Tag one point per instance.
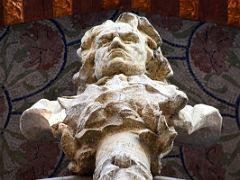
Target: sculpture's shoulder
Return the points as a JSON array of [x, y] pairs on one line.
[[90, 93]]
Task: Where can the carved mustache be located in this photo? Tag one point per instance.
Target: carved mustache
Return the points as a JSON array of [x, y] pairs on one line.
[[118, 51]]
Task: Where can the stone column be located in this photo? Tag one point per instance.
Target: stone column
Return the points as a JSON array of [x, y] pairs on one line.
[[122, 156]]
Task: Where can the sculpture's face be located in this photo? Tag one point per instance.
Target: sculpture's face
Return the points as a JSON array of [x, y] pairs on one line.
[[119, 49]]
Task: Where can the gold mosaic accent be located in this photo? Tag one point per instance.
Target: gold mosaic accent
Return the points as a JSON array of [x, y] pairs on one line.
[[13, 11], [234, 12], [143, 5], [188, 9], [62, 8]]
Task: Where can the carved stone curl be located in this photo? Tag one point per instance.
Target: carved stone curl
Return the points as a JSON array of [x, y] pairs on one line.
[[123, 119]]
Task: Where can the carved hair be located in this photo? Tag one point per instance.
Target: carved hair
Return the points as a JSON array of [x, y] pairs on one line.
[[157, 67]]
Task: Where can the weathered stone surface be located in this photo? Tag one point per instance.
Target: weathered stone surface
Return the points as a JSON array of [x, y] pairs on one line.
[[124, 117]]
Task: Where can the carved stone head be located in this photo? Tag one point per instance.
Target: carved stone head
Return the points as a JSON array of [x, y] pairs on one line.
[[129, 46]]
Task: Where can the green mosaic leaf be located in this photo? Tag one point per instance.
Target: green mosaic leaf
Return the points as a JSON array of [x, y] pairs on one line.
[[230, 137], [20, 55], [208, 76], [183, 34], [166, 49], [233, 59], [21, 76], [231, 80], [28, 86], [69, 32], [221, 90], [19, 27]]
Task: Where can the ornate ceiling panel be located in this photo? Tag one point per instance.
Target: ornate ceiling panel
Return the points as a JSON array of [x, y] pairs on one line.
[[224, 12]]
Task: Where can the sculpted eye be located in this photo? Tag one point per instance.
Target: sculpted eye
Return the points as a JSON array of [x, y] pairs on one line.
[[104, 40], [130, 38]]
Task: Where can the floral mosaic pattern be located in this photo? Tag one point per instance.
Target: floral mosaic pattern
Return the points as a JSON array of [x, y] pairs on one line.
[[209, 49], [35, 159], [40, 42], [38, 61], [210, 167]]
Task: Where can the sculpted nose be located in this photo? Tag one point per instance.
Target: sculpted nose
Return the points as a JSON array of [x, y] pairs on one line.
[[116, 43]]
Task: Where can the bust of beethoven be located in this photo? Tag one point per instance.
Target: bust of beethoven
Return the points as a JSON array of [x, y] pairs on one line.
[[129, 46], [125, 116]]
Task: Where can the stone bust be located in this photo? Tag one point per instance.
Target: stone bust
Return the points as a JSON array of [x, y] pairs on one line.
[[125, 116]]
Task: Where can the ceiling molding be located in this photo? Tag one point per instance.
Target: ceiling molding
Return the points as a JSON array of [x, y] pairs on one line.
[[223, 12]]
